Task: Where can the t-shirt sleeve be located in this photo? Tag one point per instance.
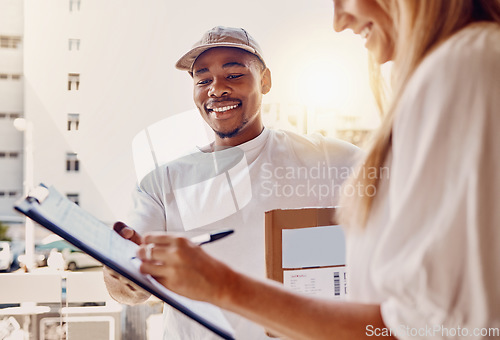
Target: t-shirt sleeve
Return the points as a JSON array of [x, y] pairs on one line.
[[438, 258], [148, 212]]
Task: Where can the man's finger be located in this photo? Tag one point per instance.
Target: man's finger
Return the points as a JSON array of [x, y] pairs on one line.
[[126, 232]]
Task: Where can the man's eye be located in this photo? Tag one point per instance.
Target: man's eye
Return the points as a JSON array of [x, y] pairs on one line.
[[203, 82], [234, 76]]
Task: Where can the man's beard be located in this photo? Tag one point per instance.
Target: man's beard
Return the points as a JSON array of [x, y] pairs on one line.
[[233, 133]]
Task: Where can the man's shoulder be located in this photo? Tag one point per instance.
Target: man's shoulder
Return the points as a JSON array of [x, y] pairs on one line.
[[312, 142]]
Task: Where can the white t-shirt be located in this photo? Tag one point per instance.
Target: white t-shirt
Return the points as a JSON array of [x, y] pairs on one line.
[[430, 254], [233, 188]]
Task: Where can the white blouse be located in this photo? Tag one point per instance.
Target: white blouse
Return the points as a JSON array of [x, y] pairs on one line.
[[430, 254]]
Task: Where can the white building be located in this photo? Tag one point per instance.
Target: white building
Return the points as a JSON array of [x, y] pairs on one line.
[[11, 107], [78, 97]]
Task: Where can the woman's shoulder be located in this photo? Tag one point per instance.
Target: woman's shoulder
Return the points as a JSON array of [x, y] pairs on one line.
[[454, 83], [467, 61], [477, 33], [476, 46]]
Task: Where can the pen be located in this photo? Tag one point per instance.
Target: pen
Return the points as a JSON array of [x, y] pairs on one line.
[[211, 237]]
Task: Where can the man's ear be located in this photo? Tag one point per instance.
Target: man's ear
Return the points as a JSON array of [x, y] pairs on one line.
[[265, 82]]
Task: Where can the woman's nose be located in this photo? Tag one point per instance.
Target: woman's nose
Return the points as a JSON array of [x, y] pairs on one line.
[[340, 17]]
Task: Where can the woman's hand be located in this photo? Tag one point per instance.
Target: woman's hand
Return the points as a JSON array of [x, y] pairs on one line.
[[184, 267]]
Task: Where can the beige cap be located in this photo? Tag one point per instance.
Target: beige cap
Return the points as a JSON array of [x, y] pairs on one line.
[[220, 36]]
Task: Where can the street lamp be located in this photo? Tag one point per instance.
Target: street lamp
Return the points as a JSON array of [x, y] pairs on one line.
[[26, 126]]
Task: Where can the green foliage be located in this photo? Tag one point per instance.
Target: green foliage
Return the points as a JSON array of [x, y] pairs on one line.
[[3, 232]]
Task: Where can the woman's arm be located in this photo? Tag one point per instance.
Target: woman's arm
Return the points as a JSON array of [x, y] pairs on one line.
[[187, 270]]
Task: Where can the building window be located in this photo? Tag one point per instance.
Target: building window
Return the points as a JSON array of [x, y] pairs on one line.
[[73, 78], [72, 162], [11, 76], [8, 194], [73, 121], [9, 41], [12, 154], [74, 44], [4, 115], [75, 198], [74, 5], [4, 42]]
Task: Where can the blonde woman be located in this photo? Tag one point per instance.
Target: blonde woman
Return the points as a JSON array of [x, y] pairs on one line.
[[424, 241]]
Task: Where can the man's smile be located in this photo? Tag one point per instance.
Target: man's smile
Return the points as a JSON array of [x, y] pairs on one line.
[[225, 108], [222, 109]]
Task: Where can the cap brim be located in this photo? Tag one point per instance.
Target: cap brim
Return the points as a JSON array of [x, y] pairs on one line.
[[186, 62]]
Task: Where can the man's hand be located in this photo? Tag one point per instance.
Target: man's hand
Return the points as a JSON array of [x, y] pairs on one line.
[[127, 233], [121, 289]]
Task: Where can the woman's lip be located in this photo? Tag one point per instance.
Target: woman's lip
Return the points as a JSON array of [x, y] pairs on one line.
[[366, 30]]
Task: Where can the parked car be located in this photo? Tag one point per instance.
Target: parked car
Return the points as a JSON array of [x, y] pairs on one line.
[[39, 258], [73, 257], [6, 256], [76, 259]]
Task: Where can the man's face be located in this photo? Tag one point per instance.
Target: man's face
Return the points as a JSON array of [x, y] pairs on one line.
[[228, 88]]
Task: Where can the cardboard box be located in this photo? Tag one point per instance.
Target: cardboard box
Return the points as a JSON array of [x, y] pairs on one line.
[[305, 250]]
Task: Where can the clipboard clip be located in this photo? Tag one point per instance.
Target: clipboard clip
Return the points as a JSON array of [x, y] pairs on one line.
[[38, 194]]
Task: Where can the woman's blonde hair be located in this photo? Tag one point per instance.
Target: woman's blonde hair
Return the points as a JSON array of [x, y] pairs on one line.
[[419, 26]]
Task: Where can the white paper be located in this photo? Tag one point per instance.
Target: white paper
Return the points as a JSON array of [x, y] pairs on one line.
[[313, 247], [320, 282]]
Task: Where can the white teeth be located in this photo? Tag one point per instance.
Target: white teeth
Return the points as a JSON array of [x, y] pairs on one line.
[[225, 108], [364, 33]]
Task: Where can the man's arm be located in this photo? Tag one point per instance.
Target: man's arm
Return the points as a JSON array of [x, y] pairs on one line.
[[119, 288]]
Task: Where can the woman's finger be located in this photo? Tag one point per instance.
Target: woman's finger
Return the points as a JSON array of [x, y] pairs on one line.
[[160, 238], [155, 252]]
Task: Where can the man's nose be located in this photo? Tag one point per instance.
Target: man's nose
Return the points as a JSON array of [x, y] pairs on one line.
[[219, 88]]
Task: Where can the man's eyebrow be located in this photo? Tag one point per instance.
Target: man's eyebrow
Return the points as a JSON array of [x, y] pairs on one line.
[[233, 64], [200, 71], [226, 65]]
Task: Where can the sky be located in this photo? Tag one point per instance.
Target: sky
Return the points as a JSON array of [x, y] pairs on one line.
[[310, 63]]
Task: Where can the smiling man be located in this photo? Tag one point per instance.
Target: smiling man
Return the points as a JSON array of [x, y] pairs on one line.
[[228, 86], [268, 169]]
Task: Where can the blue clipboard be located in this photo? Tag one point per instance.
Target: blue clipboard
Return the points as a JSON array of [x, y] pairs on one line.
[[47, 207]]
